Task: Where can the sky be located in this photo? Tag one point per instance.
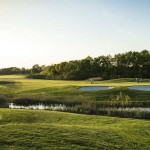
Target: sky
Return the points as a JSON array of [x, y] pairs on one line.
[[46, 32]]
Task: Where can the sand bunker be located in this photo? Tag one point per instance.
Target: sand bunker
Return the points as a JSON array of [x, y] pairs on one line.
[[95, 88], [141, 87]]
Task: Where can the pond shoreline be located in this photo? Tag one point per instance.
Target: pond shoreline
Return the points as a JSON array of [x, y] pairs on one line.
[[62, 107]]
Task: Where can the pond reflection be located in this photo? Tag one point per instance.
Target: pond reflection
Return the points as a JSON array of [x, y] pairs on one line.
[[39, 107]]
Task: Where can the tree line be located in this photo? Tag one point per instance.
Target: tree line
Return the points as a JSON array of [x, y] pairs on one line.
[[15, 70], [131, 64]]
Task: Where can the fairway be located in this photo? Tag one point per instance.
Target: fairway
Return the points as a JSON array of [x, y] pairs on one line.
[[70, 90]]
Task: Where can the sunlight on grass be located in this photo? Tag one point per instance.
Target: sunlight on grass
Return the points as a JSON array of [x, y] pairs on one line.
[[64, 89], [55, 130]]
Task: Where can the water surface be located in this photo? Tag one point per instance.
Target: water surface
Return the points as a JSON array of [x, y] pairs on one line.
[[39, 107], [140, 87], [95, 88]]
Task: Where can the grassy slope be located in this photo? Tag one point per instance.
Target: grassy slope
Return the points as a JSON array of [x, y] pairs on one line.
[[27, 129], [70, 89]]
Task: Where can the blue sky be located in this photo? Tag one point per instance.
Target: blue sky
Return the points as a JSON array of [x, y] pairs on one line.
[[51, 31]]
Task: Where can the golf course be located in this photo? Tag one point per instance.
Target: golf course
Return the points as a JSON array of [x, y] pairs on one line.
[[74, 75], [46, 129]]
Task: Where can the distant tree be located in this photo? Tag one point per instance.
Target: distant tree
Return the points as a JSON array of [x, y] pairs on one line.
[[37, 68], [130, 64], [13, 70]]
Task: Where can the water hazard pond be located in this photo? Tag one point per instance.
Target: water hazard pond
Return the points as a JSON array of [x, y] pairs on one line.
[[140, 87], [61, 107], [95, 88]]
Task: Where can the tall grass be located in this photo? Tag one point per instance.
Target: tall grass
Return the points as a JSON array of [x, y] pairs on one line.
[[32, 100], [118, 105], [3, 102], [105, 111]]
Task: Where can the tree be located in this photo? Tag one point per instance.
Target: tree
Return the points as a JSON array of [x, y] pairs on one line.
[[37, 68]]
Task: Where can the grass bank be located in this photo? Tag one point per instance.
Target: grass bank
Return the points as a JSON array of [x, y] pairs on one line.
[[27, 129]]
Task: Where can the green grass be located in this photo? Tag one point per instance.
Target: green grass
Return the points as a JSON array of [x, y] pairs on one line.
[[41, 129], [27, 129], [62, 90]]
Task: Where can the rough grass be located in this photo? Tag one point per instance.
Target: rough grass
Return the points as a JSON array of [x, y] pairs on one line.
[[27, 129]]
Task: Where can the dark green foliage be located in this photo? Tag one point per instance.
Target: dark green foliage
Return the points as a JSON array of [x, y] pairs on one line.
[[37, 69], [3, 102], [126, 65], [31, 100], [7, 82], [36, 76], [14, 70]]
